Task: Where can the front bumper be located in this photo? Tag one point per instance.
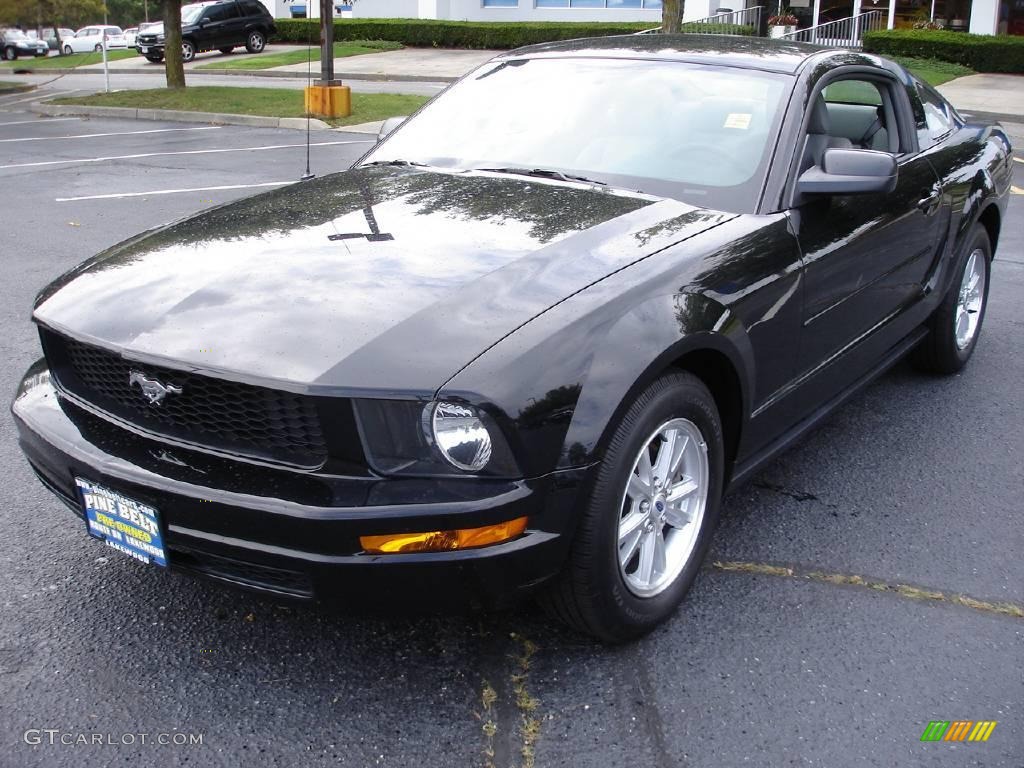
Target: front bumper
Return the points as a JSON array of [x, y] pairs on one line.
[[295, 533]]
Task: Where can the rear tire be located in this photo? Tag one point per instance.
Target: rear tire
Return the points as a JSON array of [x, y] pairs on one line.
[[188, 51], [954, 327], [67, 50], [255, 42], [601, 590], [98, 48]]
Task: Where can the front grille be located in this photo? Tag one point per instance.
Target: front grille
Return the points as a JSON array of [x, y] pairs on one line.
[[147, 39], [227, 416], [264, 577]]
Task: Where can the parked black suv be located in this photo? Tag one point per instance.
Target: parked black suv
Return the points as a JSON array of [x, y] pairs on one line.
[[220, 25]]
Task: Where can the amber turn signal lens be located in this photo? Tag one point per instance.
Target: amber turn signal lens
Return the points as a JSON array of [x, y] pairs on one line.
[[441, 541]]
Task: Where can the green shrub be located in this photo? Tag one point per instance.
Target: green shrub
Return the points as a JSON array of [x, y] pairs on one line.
[[429, 33], [982, 53]]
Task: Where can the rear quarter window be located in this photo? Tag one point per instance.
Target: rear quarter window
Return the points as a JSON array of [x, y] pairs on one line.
[[938, 118]]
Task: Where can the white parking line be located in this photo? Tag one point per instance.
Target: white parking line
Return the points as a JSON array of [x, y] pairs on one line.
[[117, 133], [116, 195], [40, 120], [37, 97], [183, 152]]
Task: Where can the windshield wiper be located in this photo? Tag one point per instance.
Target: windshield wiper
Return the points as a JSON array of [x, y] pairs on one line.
[[543, 173]]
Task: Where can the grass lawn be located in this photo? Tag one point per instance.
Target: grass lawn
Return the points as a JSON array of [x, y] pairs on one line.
[[269, 59], [67, 62], [933, 71], [271, 102]]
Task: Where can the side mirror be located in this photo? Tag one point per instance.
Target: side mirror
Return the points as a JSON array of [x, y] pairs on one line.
[[850, 172], [389, 125]]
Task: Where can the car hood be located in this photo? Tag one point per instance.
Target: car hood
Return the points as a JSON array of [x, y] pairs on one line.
[[374, 280]]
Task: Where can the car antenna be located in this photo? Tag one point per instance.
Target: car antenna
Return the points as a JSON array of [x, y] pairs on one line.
[[309, 82]]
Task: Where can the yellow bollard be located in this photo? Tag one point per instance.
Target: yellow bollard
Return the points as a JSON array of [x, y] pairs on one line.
[[329, 100]]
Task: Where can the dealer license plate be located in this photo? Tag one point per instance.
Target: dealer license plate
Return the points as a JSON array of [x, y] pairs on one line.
[[129, 526], [144, 49]]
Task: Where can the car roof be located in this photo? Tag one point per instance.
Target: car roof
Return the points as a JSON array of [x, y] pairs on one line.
[[724, 50]]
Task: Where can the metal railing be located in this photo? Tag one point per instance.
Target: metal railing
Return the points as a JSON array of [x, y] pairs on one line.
[[744, 17], [844, 33], [720, 23]]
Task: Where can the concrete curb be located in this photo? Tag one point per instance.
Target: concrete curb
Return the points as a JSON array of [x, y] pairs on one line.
[[269, 73], [177, 115], [16, 89]]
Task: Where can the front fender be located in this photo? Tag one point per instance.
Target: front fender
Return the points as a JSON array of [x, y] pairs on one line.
[[637, 349]]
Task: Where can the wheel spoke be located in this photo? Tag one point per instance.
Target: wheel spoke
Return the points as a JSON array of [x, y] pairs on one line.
[[643, 468], [628, 548], [677, 458], [677, 518], [645, 571], [629, 524], [666, 451], [681, 490], [637, 488], [660, 560]]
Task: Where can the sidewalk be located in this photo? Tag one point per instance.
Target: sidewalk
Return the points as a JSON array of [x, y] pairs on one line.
[[410, 64], [999, 97]]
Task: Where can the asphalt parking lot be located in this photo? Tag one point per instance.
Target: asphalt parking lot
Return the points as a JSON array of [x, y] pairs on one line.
[[833, 628]]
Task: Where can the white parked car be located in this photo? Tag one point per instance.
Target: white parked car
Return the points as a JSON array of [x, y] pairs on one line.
[[91, 39], [129, 36]]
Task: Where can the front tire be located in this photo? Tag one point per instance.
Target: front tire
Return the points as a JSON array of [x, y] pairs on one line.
[[188, 51], [648, 520], [98, 48], [10, 53], [255, 42], [954, 327]]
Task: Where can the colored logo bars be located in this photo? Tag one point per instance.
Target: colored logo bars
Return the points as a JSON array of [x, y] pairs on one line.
[[958, 730]]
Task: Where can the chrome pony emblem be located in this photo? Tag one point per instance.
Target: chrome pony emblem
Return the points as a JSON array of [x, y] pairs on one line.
[[152, 389]]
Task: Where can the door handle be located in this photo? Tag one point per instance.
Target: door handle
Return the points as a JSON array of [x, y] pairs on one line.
[[930, 204]]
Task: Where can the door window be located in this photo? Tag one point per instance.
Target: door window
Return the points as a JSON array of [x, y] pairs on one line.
[[857, 113], [221, 12]]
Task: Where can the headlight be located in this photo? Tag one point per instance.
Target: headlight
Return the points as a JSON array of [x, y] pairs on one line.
[[413, 437], [159, 38], [460, 436]]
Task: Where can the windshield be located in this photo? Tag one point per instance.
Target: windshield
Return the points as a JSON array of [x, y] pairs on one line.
[[698, 133], [191, 13], [14, 34]]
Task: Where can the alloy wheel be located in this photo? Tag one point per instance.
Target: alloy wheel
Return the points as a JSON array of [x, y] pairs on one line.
[[970, 299], [663, 507]]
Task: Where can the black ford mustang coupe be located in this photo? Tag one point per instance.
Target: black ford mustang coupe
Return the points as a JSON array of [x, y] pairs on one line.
[[531, 338]]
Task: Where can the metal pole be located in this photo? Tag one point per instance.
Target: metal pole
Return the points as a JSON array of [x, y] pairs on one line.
[[145, 6], [106, 71], [327, 42]]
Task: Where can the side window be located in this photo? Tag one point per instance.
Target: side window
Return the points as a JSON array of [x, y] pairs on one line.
[[252, 8], [857, 112], [937, 118]]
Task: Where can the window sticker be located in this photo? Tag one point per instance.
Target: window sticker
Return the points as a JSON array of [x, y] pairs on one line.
[[740, 120]]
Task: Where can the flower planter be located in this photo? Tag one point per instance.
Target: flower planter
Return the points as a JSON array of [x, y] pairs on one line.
[[779, 31]]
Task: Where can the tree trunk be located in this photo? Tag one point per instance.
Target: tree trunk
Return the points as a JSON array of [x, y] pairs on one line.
[[173, 66], [671, 15]]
